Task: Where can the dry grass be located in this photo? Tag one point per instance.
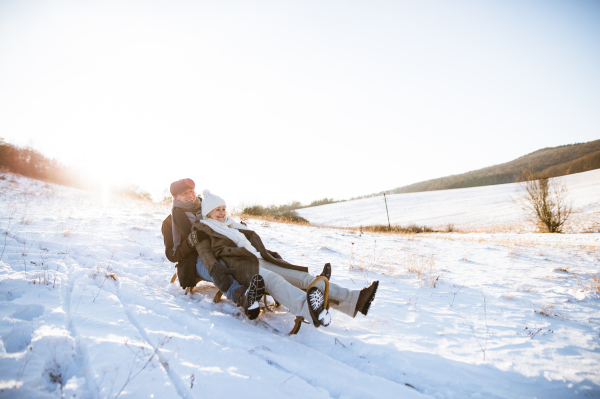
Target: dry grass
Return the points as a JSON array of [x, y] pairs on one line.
[[548, 311], [270, 219], [424, 268], [383, 228], [594, 284], [67, 231], [562, 269]]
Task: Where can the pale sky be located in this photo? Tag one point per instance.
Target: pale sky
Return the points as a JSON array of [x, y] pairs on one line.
[[274, 101]]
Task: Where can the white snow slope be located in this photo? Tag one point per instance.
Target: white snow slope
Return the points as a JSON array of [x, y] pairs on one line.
[[489, 208], [510, 316]]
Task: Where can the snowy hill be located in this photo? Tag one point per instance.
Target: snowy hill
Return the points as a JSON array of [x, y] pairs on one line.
[[489, 208], [88, 310]]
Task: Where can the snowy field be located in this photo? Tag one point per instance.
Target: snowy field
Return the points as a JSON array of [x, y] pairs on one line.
[[88, 310], [476, 209]]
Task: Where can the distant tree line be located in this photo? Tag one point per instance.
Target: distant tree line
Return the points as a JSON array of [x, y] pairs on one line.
[[31, 163], [286, 211]]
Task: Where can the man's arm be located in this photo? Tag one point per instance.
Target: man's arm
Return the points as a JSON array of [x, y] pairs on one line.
[[183, 250]]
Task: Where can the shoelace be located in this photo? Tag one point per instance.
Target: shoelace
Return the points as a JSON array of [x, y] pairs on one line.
[[251, 291], [316, 299]]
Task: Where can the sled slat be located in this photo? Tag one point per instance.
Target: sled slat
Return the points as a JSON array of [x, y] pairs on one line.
[[173, 278], [297, 325], [217, 297]]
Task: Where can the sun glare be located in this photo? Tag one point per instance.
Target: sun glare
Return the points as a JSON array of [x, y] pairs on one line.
[[105, 191]]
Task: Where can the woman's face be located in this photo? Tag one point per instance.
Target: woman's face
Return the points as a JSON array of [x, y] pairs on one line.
[[219, 213]]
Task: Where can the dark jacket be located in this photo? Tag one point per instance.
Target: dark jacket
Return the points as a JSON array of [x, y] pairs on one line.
[[241, 263], [185, 256]]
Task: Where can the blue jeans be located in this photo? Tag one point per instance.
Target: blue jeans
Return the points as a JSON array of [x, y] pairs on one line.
[[203, 273]]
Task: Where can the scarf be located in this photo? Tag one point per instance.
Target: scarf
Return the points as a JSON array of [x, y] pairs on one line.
[[229, 228], [193, 207]]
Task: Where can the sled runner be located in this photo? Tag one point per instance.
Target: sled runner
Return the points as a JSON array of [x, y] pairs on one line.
[[299, 319]]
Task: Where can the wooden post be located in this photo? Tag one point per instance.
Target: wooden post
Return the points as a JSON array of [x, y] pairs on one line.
[[388, 213]]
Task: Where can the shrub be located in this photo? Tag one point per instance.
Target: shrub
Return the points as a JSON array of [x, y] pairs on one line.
[[275, 213], [255, 210], [545, 201]]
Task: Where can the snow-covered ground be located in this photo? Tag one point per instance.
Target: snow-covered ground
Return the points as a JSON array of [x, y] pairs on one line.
[[88, 311], [488, 209]]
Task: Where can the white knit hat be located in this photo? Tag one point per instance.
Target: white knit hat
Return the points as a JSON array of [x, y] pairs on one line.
[[210, 202]]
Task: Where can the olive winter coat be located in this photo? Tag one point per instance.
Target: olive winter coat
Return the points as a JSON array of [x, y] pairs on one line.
[[241, 263]]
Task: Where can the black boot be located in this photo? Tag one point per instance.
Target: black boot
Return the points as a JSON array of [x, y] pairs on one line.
[[316, 304], [326, 271], [365, 298], [248, 298]]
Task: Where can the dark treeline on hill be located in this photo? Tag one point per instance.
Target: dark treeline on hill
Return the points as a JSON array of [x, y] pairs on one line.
[[552, 162], [31, 163]]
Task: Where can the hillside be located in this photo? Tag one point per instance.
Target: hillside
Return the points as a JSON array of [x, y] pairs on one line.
[[489, 208], [554, 161]]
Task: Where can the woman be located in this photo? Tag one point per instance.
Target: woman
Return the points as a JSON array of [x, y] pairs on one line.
[[245, 256]]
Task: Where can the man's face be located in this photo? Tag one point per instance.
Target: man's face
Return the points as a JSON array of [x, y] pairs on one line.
[[188, 195]]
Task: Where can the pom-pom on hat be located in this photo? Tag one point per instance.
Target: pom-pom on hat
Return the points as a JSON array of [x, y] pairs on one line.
[[179, 186], [210, 201]]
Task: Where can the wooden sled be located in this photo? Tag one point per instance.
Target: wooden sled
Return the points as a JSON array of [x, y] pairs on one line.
[[299, 319]]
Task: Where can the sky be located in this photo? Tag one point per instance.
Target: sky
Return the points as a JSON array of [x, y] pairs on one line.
[[269, 101]]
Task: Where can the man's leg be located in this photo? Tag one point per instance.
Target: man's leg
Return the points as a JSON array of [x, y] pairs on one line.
[[345, 297], [203, 273]]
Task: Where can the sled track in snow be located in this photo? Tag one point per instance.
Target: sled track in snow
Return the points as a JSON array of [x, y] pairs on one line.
[[181, 389], [80, 350], [288, 365]]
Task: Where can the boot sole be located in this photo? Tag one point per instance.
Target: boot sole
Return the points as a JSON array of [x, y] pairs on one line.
[[314, 313]]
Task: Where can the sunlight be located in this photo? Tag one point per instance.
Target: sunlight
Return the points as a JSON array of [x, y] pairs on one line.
[[105, 191]]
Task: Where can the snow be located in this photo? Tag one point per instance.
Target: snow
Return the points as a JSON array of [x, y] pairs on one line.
[[88, 310], [488, 208]]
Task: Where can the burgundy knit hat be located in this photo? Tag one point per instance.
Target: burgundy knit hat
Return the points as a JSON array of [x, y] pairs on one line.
[[179, 186]]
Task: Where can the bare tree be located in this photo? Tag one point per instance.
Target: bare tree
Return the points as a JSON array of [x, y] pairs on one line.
[[545, 200]]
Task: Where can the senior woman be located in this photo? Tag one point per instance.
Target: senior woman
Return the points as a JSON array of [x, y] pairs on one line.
[[245, 256]]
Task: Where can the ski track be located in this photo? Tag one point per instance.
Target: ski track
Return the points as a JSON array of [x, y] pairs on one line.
[[283, 340], [91, 388], [175, 379]]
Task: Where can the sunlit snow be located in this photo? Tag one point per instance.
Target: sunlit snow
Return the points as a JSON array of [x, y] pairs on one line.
[[459, 315]]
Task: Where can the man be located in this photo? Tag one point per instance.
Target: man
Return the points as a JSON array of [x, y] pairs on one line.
[[180, 249]]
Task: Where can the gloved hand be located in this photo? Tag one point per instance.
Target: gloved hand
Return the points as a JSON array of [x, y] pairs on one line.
[[221, 279], [274, 254], [192, 239]]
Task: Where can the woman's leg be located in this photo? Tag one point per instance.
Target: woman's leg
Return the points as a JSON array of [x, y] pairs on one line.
[[289, 296], [341, 299], [203, 273]]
